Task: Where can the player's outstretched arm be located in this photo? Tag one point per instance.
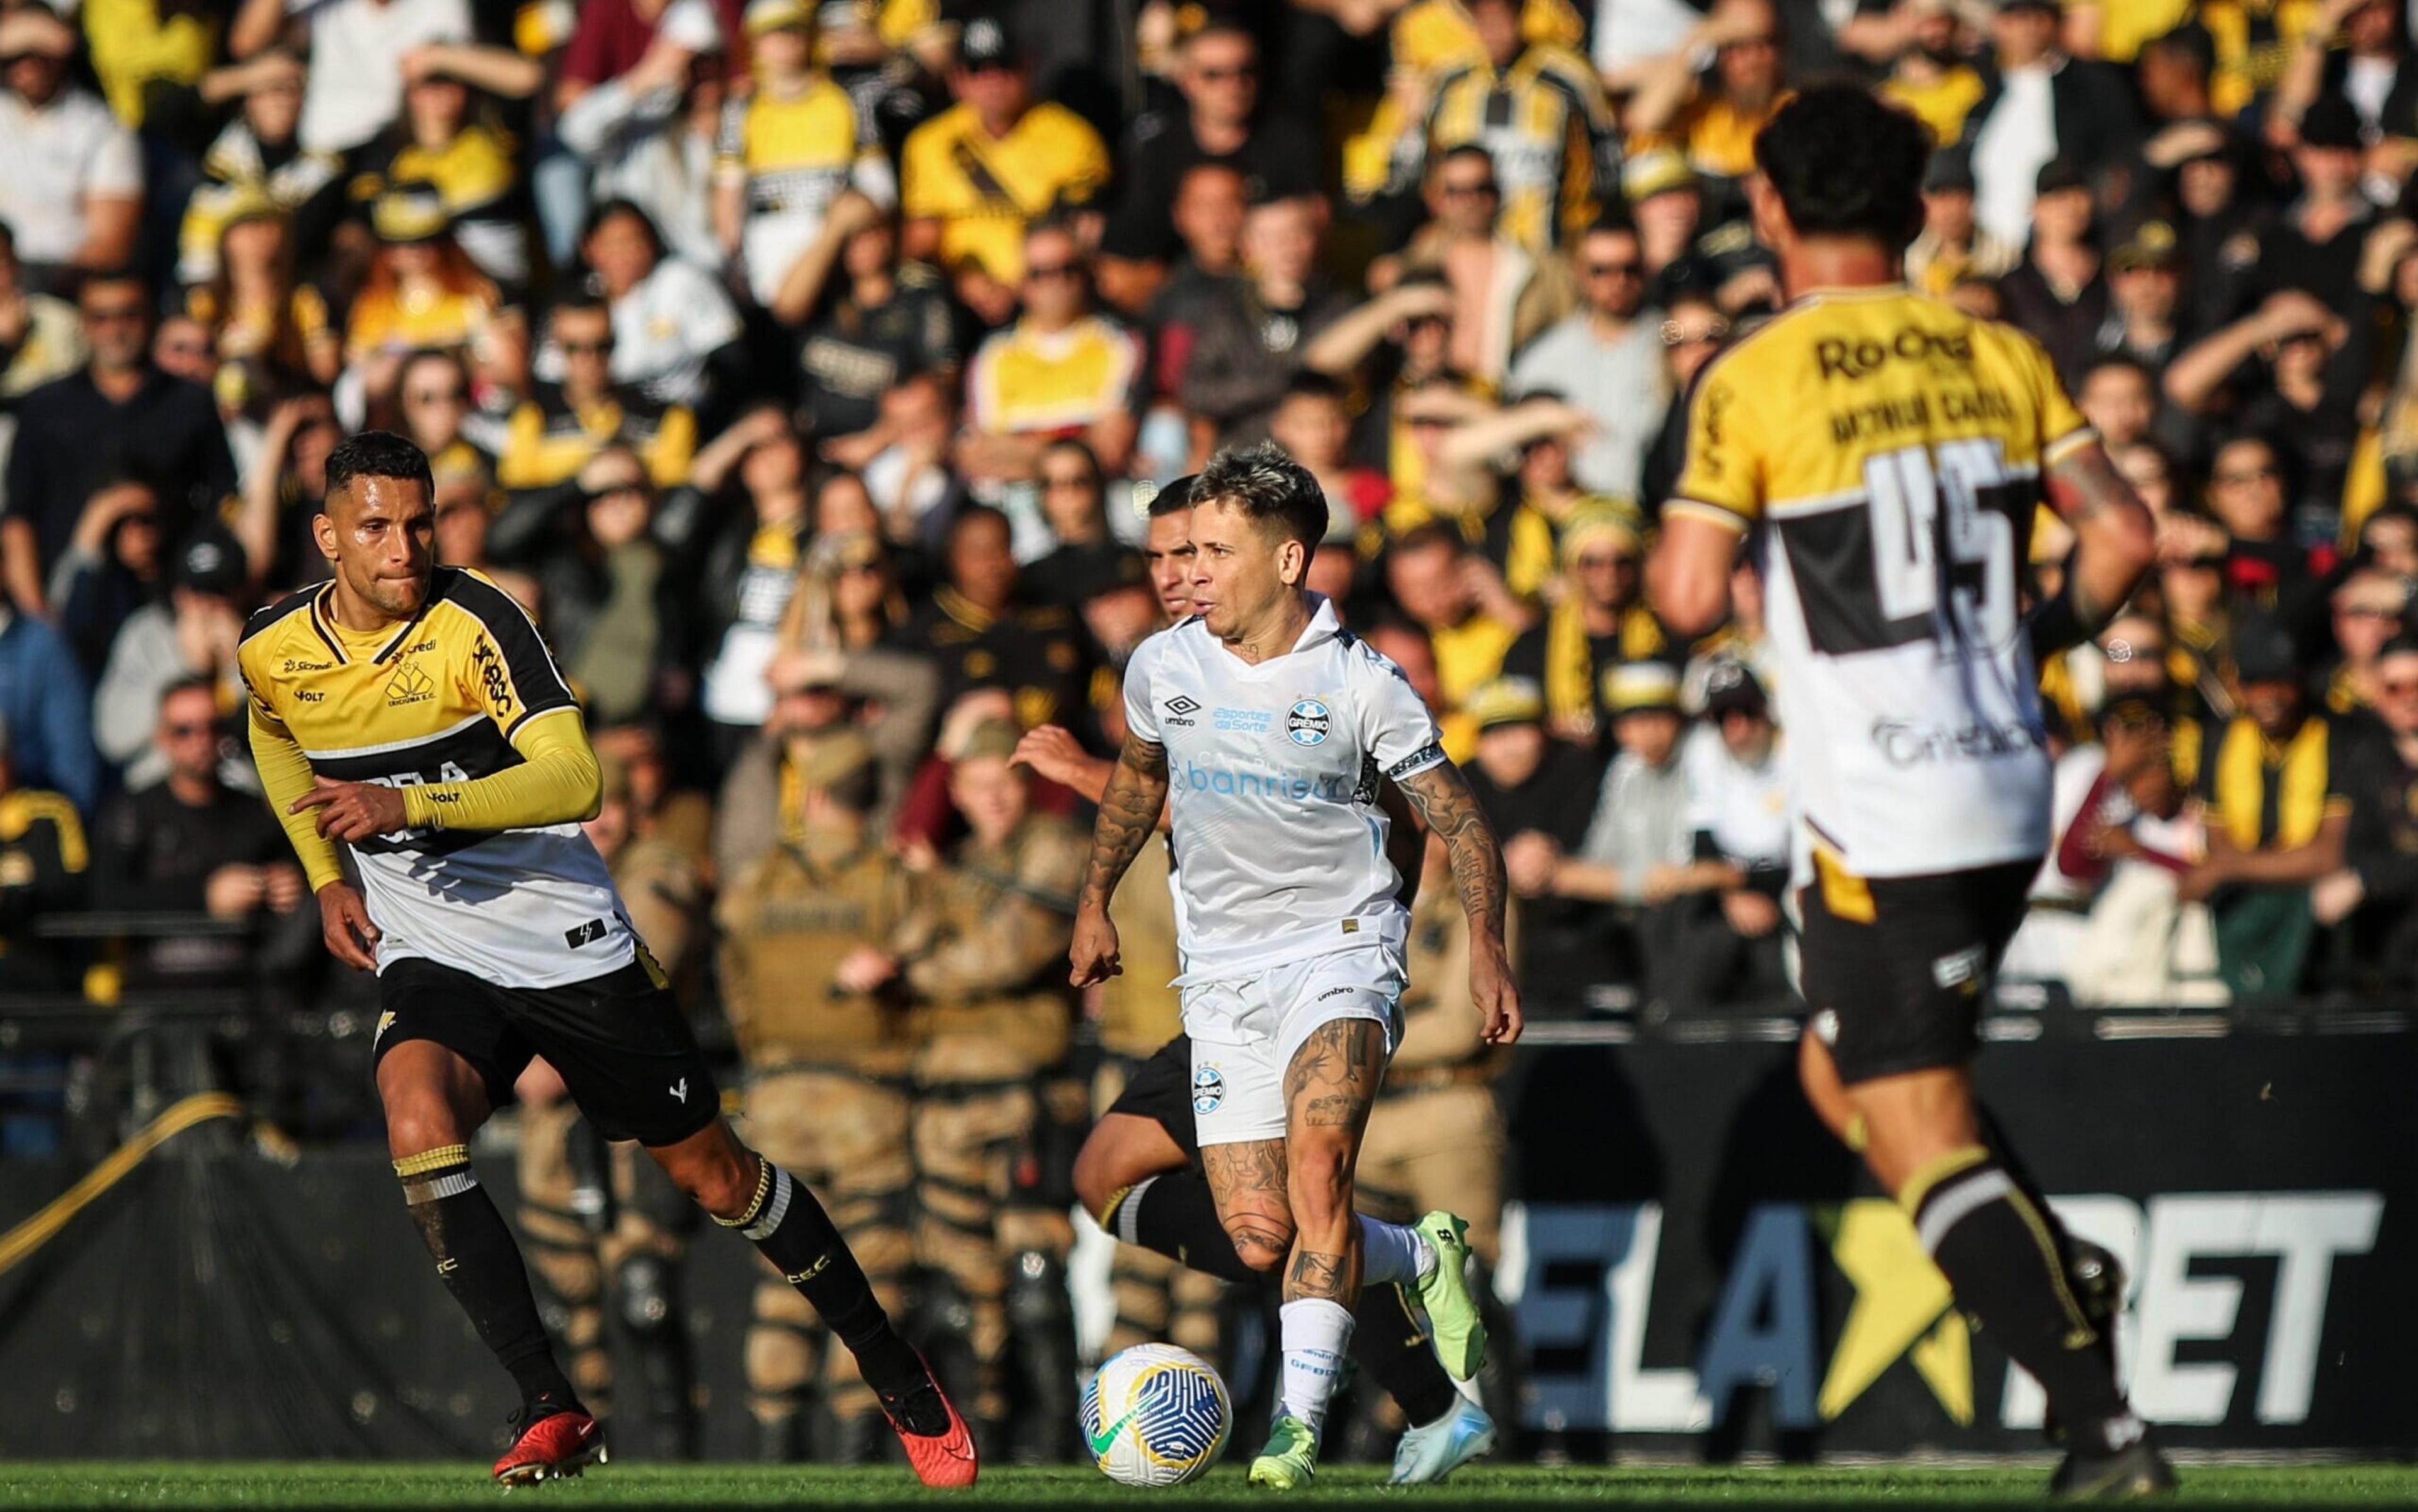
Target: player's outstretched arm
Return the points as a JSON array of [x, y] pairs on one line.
[[1130, 811], [1442, 796], [2115, 543]]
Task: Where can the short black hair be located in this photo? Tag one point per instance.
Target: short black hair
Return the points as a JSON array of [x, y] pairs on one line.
[[972, 514], [609, 208], [1269, 487], [1174, 499], [377, 454], [189, 682], [1846, 163], [1310, 384]]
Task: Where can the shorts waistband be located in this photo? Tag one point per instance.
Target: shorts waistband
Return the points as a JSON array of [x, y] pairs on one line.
[[1242, 963]]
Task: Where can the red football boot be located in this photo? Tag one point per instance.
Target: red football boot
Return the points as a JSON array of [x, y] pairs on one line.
[[942, 1453], [558, 1444]]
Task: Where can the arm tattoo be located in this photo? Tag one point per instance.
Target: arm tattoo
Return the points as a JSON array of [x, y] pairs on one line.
[[1442, 796], [1128, 816], [1314, 1274], [2089, 495]]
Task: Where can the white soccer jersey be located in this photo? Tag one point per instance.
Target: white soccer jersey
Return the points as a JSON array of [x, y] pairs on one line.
[[1272, 788]]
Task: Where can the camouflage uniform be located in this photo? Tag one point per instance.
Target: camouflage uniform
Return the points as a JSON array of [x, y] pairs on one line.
[[1138, 1012], [983, 958], [827, 1100], [597, 1218]]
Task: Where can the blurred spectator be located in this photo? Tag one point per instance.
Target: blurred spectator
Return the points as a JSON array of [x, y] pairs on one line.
[[2296, 396], [1931, 74], [2144, 296], [2375, 893], [1314, 423], [2059, 292], [982, 633], [2219, 215], [2278, 814], [1954, 245], [465, 164], [751, 567], [975, 176], [1220, 121], [42, 859], [46, 708], [120, 416], [1722, 943], [1459, 599], [2353, 49], [674, 330], [600, 577], [2371, 607], [112, 566], [433, 394], [1599, 621], [2246, 492], [1060, 370], [1539, 114], [423, 292], [787, 150], [2042, 107], [1396, 344], [1694, 334], [2315, 246], [359, 58], [70, 175], [187, 635], [1505, 294], [1248, 334], [289, 473], [865, 333], [1525, 780], [257, 164], [1087, 559], [1713, 117], [649, 133], [1608, 361], [561, 425], [911, 472], [40, 338], [185, 842], [1211, 200], [260, 315]]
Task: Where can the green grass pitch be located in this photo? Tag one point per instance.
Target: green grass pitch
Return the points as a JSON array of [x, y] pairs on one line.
[[188, 1486]]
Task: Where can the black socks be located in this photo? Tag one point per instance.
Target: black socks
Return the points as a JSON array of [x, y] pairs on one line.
[[480, 1265]]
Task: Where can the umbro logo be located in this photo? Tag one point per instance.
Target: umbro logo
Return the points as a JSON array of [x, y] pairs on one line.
[[1180, 708], [679, 1088]]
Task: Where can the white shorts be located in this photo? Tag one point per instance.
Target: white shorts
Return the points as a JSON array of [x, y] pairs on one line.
[[1246, 1030]]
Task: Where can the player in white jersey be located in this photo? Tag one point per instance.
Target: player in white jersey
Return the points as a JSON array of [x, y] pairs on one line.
[[1885, 455], [405, 717], [1266, 728]]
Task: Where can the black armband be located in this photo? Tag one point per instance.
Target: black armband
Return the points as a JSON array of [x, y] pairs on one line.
[[2056, 626]]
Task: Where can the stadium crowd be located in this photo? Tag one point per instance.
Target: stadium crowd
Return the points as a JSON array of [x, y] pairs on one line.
[[807, 372]]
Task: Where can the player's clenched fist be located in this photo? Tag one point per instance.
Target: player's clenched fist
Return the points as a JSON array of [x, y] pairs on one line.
[[344, 923], [1497, 996], [1095, 953], [353, 811]]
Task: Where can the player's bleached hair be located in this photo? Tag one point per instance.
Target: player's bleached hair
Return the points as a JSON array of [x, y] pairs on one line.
[[1269, 487], [377, 454]]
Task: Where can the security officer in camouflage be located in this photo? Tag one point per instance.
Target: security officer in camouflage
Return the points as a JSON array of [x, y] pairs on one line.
[[598, 1224], [827, 1079], [979, 961]]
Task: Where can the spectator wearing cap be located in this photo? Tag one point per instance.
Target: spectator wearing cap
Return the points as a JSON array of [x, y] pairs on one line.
[[423, 294], [1721, 942], [190, 632], [187, 842], [1538, 112], [602, 578], [2203, 171], [787, 150], [70, 175], [1606, 359], [1953, 244], [646, 133], [1931, 73], [1247, 336], [2277, 811], [2144, 284], [1221, 119], [561, 425], [1528, 782], [2374, 896], [2058, 294], [1713, 115], [1060, 369], [2315, 247], [257, 161], [2040, 106], [1086, 558], [119, 418], [1599, 621], [974, 177]]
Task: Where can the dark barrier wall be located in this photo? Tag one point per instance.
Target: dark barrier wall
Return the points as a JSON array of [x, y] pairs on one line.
[[1695, 1264]]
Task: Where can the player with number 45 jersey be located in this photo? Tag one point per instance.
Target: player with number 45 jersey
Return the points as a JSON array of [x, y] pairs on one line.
[[1881, 456]]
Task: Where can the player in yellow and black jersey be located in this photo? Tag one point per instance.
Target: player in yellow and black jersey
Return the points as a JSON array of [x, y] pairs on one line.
[[405, 716], [1882, 455]]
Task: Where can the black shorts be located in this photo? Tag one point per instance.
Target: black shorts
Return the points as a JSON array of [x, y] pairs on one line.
[[1160, 1090], [1895, 968], [623, 1046]]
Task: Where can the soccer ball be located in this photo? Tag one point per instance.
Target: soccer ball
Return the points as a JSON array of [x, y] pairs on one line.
[[1155, 1415]]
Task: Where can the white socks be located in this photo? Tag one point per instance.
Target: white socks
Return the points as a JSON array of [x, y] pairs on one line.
[[1392, 1255], [1316, 1333]]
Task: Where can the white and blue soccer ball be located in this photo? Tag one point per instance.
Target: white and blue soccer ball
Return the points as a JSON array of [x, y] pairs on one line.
[[1155, 1415]]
